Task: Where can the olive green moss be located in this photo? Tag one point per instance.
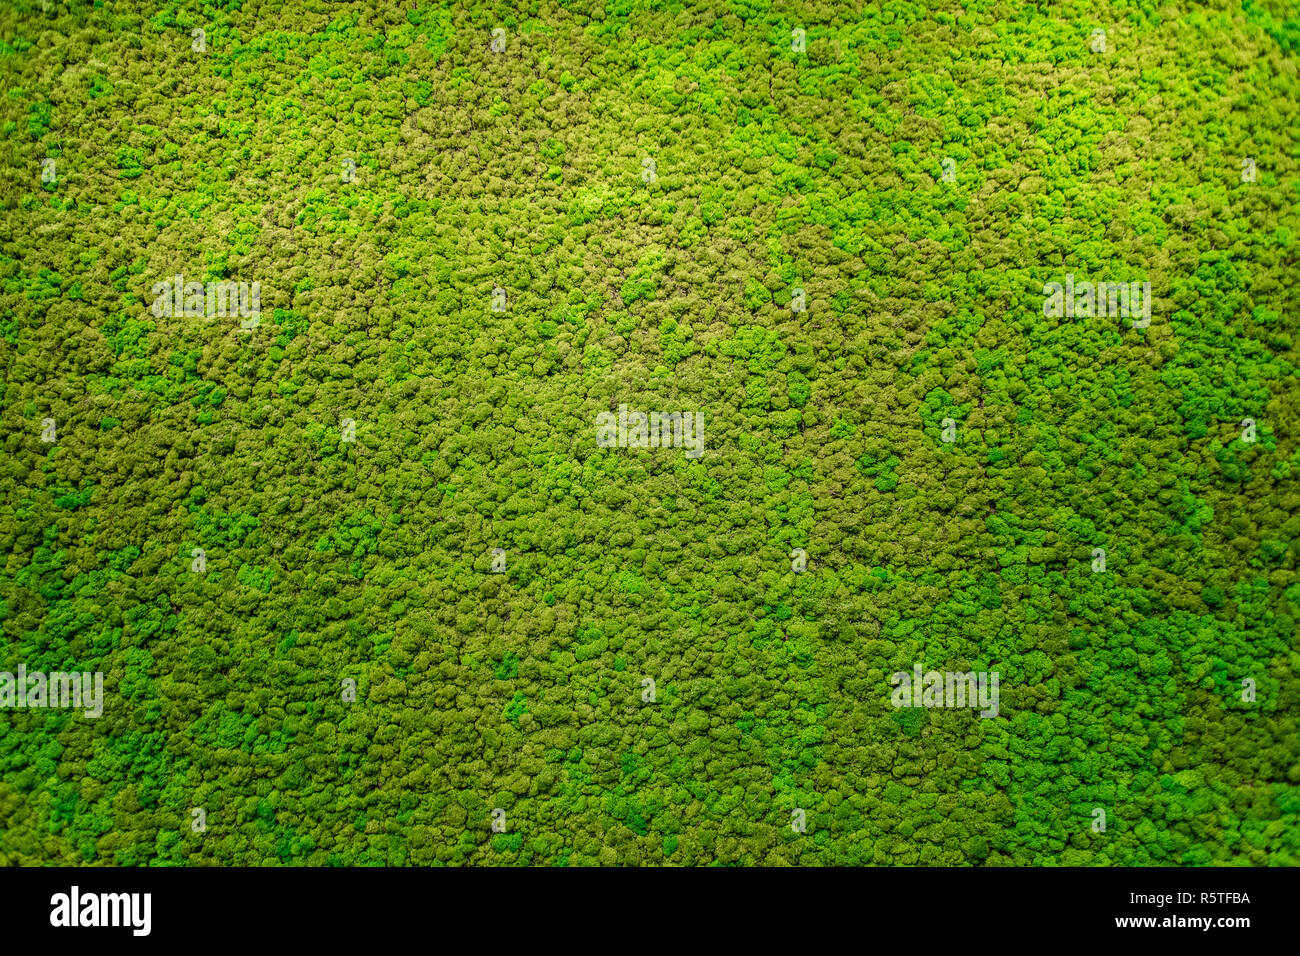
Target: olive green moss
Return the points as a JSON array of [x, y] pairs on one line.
[[773, 171]]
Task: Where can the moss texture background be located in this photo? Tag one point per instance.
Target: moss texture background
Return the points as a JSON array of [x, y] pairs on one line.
[[775, 170]]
